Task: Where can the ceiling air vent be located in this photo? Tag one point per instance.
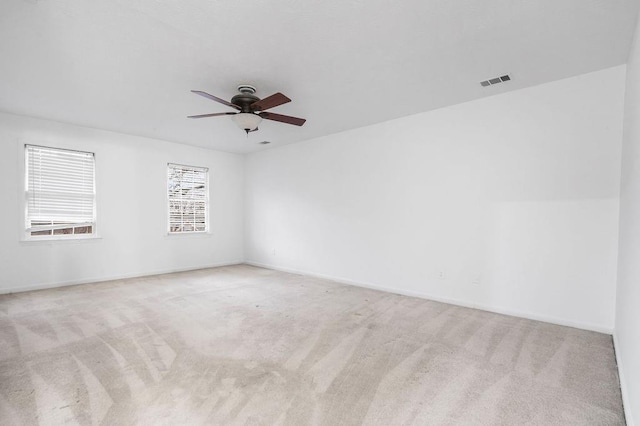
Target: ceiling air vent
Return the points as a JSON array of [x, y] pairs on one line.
[[496, 80]]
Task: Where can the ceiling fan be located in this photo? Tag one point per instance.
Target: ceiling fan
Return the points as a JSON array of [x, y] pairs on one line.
[[251, 109]]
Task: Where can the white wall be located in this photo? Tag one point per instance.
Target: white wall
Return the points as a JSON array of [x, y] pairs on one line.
[[627, 333], [514, 198], [131, 197]]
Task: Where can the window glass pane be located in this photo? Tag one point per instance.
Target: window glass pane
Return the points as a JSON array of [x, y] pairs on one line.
[[83, 230], [63, 231], [188, 198]]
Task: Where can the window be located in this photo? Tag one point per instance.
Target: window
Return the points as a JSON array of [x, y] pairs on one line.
[[188, 193], [60, 193]]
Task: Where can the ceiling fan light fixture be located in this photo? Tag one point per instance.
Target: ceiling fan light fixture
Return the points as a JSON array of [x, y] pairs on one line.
[[247, 121]]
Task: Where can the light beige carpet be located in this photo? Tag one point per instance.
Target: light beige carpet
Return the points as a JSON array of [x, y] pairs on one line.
[[244, 345]]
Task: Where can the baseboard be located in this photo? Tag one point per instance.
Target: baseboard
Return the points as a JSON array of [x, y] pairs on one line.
[[623, 383], [57, 284], [457, 302]]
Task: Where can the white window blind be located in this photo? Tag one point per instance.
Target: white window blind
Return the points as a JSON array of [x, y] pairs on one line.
[[60, 191], [188, 198]]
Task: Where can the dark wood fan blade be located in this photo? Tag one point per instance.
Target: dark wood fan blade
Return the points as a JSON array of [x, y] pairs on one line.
[[215, 114], [215, 98], [282, 118], [269, 102]]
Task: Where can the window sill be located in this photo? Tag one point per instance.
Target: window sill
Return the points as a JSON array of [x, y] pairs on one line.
[[187, 234], [47, 239]]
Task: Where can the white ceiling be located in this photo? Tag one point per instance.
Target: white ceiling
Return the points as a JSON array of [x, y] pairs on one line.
[[128, 65]]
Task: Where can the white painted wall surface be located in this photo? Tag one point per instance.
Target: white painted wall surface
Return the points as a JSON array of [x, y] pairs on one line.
[[512, 198], [627, 331], [131, 208]]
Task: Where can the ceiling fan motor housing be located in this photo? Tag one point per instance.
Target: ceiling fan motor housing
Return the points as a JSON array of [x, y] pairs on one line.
[[245, 98]]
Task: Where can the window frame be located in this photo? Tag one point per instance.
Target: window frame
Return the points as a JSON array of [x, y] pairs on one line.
[[26, 235], [207, 197]]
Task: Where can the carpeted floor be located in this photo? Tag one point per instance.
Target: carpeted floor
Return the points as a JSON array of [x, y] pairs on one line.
[[244, 345]]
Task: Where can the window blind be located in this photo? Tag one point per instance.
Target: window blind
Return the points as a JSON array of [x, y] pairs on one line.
[[188, 198], [60, 191]]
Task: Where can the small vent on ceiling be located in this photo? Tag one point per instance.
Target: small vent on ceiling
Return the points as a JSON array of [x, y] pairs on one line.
[[496, 80], [264, 143]]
